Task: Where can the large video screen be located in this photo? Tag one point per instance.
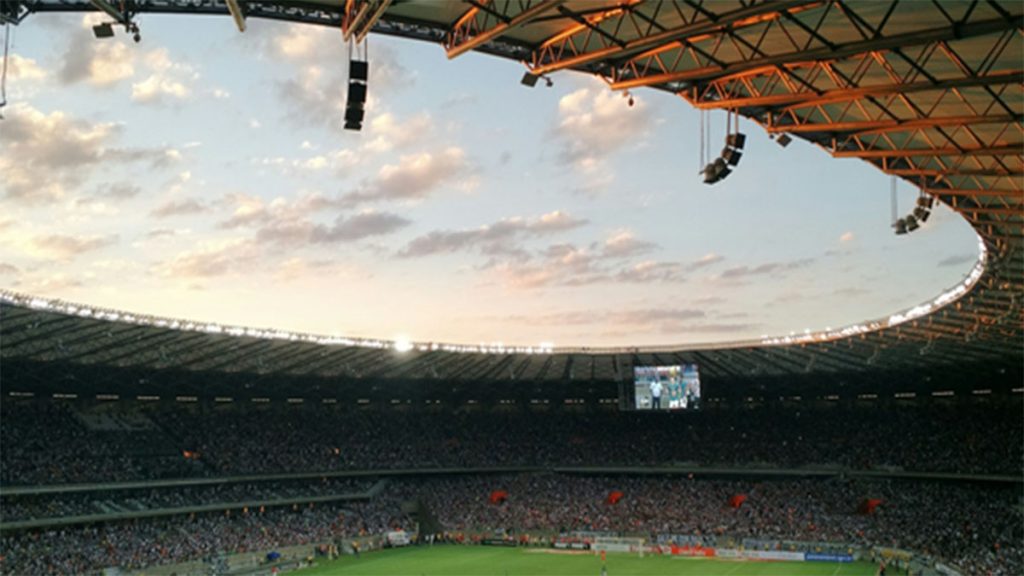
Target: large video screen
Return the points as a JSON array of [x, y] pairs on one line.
[[667, 387]]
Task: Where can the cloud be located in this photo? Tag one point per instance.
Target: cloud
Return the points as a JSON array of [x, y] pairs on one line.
[[293, 232], [64, 247], [20, 69], [314, 54], [769, 268], [568, 265], [48, 285], [622, 244], [364, 225], [492, 238], [595, 123], [8, 269], [168, 80], [43, 156], [157, 89], [105, 64], [255, 211], [706, 260], [161, 233], [415, 177], [846, 238], [958, 260], [651, 271], [178, 208], [102, 64], [211, 259], [385, 131], [120, 191]]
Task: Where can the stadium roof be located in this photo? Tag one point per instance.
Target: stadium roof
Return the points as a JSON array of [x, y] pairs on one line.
[[931, 92]]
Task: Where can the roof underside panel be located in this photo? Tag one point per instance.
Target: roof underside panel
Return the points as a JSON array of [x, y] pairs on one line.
[[931, 92]]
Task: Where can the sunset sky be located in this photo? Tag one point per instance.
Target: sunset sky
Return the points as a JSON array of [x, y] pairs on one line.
[[204, 174]]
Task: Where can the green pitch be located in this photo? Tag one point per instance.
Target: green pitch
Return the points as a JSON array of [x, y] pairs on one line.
[[491, 561]]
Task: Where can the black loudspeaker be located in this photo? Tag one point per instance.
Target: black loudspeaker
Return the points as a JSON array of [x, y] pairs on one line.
[[358, 70], [356, 94]]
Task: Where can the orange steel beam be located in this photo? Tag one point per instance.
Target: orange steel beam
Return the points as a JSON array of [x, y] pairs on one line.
[[863, 128], [492, 33], [825, 53], [1010, 194], [748, 16], [992, 211], [809, 99], [365, 20], [952, 172], [1017, 149]]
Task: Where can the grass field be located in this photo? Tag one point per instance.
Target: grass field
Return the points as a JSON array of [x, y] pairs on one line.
[[491, 561]]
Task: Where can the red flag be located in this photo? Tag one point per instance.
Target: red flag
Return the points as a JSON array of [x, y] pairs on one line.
[[737, 500], [499, 496], [868, 505], [614, 497]]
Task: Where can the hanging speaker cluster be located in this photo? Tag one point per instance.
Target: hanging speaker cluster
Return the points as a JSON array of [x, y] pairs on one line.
[[358, 77], [919, 216], [721, 167]]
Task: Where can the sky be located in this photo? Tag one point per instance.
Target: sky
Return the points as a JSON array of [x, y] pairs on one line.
[[204, 174]]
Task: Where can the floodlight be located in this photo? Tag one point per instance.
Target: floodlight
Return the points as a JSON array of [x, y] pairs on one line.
[[925, 201], [900, 226], [529, 79], [104, 30], [783, 140], [736, 140], [912, 223], [921, 214]]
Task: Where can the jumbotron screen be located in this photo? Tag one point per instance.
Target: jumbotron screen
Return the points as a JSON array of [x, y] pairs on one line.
[[667, 387]]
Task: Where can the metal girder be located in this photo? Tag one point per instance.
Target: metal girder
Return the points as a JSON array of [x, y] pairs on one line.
[[869, 127], [358, 17], [950, 172], [639, 73], [1014, 194], [478, 26], [808, 99], [567, 50], [1011, 150]]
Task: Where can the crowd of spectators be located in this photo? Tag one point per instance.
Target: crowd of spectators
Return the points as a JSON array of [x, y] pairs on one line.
[[977, 528], [45, 443], [57, 504], [86, 550]]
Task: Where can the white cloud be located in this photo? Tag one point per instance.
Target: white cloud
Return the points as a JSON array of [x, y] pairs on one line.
[[23, 69], [497, 238], [156, 88], [622, 244], [595, 123], [415, 177], [386, 132], [65, 247], [846, 237]]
